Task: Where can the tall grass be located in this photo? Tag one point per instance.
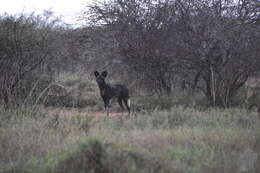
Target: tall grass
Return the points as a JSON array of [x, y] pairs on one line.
[[177, 140]]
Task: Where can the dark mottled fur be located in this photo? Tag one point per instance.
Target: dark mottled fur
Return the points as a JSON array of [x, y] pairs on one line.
[[108, 91]]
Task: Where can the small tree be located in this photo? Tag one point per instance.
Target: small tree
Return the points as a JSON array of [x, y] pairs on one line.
[[27, 43], [219, 44], [143, 31]]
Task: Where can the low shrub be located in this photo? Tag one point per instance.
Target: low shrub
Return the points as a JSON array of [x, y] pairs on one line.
[[185, 99], [68, 101], [98, 157]]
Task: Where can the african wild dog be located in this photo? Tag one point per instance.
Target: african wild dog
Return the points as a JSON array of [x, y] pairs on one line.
[[108, 91]]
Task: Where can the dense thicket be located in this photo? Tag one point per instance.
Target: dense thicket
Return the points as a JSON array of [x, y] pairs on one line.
[[29, 45], [213, 44]]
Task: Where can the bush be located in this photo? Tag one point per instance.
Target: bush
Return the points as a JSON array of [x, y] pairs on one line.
[[22, 69], [97, 157], [68, 101], [90, 157], [151, 103]]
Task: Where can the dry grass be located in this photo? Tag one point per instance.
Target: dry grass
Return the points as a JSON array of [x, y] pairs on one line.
[[179, 140]]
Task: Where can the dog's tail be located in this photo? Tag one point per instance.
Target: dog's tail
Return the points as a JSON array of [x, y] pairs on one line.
[[129, 102]]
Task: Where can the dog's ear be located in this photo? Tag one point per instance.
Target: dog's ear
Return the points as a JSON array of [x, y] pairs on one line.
[[96, 73], [104, 74]]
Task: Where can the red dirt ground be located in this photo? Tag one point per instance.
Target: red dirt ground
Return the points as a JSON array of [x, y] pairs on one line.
[[104, 114]]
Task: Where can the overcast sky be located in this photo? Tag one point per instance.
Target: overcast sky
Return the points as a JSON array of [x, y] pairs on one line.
[[69, 9]]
